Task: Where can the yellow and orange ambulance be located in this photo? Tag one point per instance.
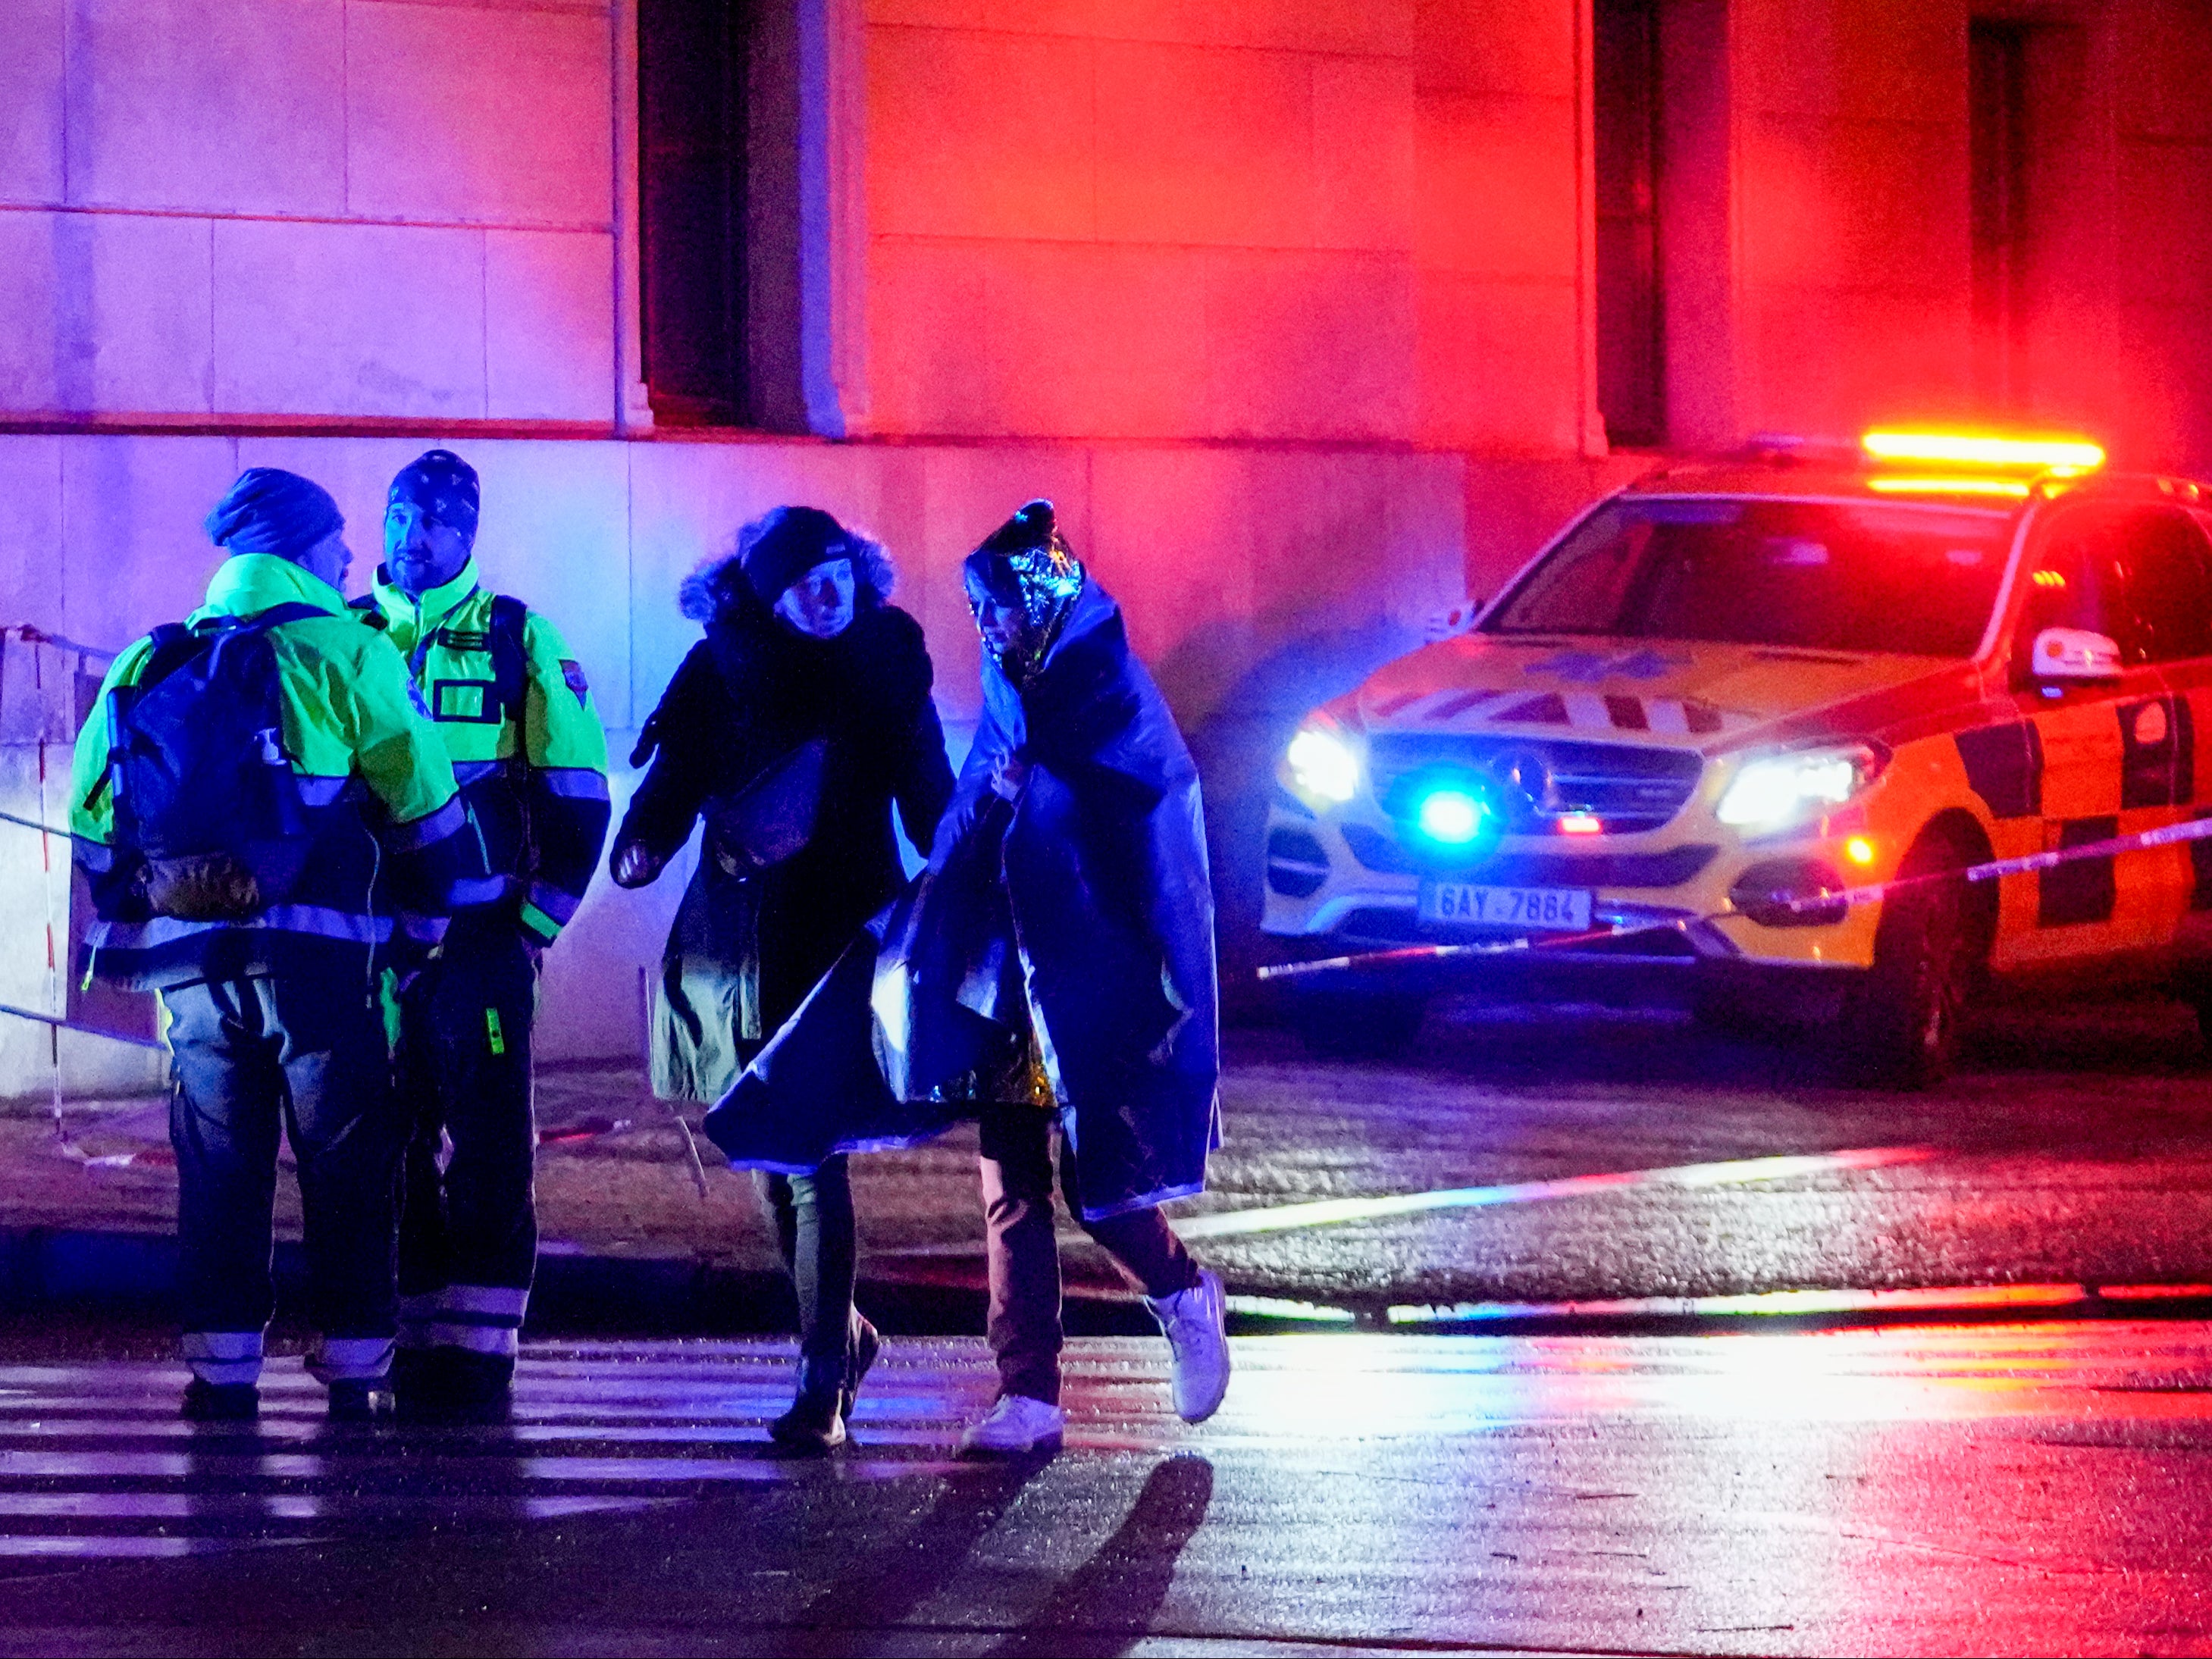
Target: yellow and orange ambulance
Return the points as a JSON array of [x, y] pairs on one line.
[[1736, 687]]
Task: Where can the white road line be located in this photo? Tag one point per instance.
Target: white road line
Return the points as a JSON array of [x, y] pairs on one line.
[[1333, 1211]]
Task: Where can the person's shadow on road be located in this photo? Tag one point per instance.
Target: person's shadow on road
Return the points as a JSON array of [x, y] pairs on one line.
[[925, 1558], [1107, 1606]]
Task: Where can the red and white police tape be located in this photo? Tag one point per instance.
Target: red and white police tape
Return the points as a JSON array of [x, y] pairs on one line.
[[2168, 835]]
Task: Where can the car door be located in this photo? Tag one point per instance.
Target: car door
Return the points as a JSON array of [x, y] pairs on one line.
[[2107, 750], [2170, 596]]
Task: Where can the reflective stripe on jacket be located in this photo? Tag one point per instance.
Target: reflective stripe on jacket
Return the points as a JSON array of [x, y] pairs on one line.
[[534, 775], [386, 815]]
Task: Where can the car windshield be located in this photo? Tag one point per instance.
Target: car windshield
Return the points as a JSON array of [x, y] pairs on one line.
[[1822, 575]]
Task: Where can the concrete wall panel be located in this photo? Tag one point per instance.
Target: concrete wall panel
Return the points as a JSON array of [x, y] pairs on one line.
[[33, 366], [1868, 205], [31, 532], [133, 554], [31, 102], [478, 113], [1178, 542], [1906, 360], [109, 311], [220, 106], [549, 324], [1205, 147], [2165, 369], [1310, 345], [986, 135], [2165, 221], [1364, 155], [926, 308], [1359, 27], [2165, 66], [1498, 363], [1864, 60], [1520, 48], [1105, 340], [1498, 187], [370, 319]]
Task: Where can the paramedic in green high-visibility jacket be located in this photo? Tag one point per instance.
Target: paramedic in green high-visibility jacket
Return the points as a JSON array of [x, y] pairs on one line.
[[264, 815], [516, 714]]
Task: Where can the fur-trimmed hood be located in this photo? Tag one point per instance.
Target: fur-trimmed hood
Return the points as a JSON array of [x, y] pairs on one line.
[[720, 575]]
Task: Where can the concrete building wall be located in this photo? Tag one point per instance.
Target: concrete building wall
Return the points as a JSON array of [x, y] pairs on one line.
[[1852, 279], [1141, 220], [1246, 618], [224, 208]]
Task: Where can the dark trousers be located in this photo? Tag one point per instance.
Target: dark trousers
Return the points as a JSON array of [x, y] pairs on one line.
[[1024, 1256], [812, 1218], [304, 1054], [468, 1232]]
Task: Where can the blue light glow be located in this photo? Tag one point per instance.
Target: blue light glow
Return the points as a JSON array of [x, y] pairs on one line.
[[1451, 816]]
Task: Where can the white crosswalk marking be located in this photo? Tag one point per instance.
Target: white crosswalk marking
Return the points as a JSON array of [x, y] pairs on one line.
[[96, 1462]]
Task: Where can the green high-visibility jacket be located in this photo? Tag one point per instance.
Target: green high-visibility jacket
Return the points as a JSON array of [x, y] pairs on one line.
[[529, 754], [387, 824]]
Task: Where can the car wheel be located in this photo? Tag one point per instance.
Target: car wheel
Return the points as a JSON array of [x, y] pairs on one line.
[[1900, 1023], [1358, 1024]]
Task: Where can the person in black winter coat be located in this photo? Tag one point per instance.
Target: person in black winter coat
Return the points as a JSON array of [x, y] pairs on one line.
[[1051, 975], [804, 712]]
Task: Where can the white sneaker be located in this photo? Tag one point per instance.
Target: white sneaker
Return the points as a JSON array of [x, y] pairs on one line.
[[1015, 1427], [1198, 1347]]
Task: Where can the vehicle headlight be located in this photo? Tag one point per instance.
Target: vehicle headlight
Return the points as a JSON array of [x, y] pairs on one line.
[[1322, 767], [1780, 789]]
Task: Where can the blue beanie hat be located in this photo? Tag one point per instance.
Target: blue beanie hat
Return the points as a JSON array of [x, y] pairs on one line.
[[269, 510], [444, 488]]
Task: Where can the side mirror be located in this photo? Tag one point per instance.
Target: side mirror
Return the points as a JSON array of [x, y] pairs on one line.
[[1453, 620], [2074, 654]]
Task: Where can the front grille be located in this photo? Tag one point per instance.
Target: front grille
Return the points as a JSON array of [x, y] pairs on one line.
[[1376, 851], [1535, 780]]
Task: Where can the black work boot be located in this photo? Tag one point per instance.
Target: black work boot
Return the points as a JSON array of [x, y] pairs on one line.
[[816, 1422], [860, 1356], [445, 1384], [360, 1399], [220, 1402]]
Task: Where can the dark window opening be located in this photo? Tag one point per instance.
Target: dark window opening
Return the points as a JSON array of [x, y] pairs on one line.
[[1996, 71], [1631, 352], [693, 62]]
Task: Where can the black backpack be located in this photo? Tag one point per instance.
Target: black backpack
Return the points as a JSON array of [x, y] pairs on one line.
[[206, 801]]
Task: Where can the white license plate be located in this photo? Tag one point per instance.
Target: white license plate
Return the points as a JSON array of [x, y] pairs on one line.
[[1537, 909]]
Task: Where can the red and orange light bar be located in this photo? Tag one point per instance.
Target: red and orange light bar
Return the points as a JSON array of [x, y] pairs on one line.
[[2065, 455]]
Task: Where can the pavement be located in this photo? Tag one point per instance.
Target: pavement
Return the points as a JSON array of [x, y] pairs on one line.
[[2073, 1154], [2022, 1489]]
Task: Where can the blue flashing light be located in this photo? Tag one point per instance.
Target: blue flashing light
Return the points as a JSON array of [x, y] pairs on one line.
[[1452, 817]]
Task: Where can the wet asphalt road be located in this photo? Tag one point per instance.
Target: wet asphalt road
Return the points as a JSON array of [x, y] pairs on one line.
[[2074, 1148], [1636, 1476], [2027, 1489]]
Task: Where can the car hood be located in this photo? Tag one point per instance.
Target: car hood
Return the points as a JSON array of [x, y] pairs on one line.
[[1687, 694]]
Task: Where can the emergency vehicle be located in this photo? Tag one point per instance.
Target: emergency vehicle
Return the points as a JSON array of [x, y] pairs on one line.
[[1734, 689]]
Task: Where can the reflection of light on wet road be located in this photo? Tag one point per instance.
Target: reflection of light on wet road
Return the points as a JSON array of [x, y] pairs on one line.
[[2024, 1487], [1932, 1300], [1733, 1172]]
